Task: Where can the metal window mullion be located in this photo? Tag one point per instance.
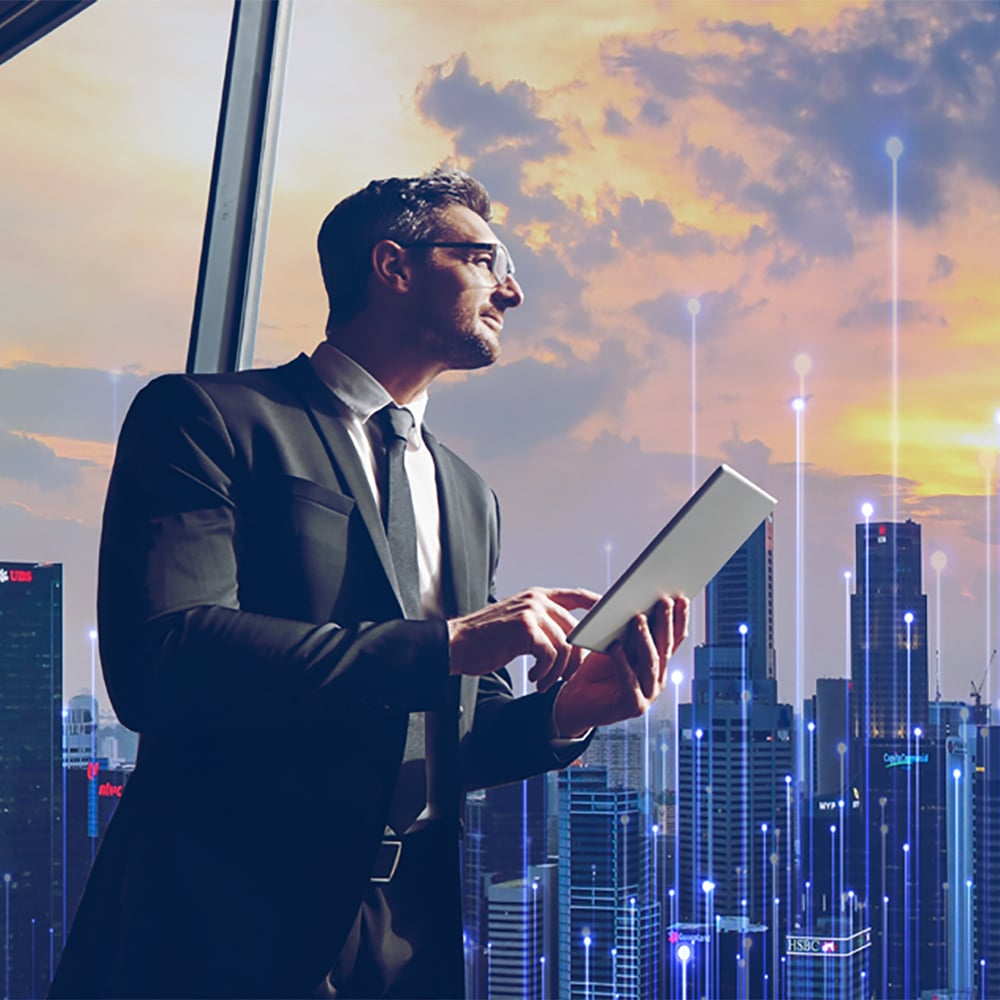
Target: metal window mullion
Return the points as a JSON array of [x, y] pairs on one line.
[[229, 275]]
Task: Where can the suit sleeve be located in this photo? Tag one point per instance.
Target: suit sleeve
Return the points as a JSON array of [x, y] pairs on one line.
[[173, 635]]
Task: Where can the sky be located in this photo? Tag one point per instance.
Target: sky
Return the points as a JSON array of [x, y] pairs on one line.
[[640, 155]]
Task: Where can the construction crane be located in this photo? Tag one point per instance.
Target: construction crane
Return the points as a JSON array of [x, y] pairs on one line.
[[977, 689]]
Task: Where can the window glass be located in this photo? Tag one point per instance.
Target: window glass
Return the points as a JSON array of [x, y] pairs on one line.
[[108, 128]]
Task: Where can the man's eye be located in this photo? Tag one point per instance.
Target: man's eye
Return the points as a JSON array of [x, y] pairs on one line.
[[484, 259]]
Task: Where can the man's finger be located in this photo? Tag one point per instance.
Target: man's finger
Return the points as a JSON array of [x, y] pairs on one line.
[[642, 655], [559, 614], [573, 599], [546, 675], [662, 626], [576, 655], [627, 679], [681, 619], [543, 649]]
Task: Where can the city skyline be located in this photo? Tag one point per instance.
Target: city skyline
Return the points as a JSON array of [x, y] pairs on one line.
[[641, 157]]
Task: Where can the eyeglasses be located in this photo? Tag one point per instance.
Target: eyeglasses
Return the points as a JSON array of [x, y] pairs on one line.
[[501, 264]]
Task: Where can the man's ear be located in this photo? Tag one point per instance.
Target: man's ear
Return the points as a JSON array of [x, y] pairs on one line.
[[391, 266]]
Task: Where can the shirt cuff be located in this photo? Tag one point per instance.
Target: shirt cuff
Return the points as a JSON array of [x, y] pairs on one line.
[[558, 741]]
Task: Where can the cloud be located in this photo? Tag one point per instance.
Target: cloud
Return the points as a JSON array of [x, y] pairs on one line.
[[653, 112], [483, 117], [515, 407], [720, 171], [944, 267], [806, 212], [757, 237], [615, 123], [670, 75], [634, 224], [502, 171], [27, 460], [875, 311], [832, 97], [85, 404], [785, 267], [651, 224], [718, 313]]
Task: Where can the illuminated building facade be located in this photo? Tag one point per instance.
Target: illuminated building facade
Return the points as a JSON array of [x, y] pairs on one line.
[[829, 963], [888, 653], [92, 794], [736, 752], [896, 763], [522, 935], [505, 837], [972, 777], [31, 790], [986, 834], [609, 923]]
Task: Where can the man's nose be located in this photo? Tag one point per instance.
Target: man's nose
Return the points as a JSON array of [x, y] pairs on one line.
[[510, 292]]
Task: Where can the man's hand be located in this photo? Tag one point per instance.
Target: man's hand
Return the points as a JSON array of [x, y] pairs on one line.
[[534, 622], [625, 681]]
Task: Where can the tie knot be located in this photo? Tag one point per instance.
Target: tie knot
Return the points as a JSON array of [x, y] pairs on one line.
[[396, 422]]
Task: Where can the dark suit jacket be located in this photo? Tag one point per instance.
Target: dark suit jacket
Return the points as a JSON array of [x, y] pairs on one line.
[[250, 630]]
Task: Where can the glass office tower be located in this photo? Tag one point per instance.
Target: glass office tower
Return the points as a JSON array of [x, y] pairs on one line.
[[31, 790]]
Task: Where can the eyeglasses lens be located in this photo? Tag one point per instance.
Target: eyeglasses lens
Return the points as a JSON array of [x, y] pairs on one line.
[[503, 266]]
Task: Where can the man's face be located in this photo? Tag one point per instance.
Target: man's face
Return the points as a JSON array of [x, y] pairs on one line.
[[459, 303]]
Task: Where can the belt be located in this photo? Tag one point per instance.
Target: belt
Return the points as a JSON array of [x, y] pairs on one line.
[[386, 860]]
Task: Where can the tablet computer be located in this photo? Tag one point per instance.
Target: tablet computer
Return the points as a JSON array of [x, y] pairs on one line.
[[693, 546]]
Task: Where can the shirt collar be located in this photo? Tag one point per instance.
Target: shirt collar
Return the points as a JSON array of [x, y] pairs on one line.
[[357, 388]]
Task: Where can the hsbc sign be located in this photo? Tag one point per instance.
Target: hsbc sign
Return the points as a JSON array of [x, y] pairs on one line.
[[829, 946], [818, 946]]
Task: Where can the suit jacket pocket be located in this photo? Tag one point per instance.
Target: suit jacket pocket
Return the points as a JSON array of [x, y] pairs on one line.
[[301, 543], [322, 495]]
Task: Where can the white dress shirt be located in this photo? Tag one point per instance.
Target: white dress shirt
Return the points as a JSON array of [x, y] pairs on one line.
[[359, 395]]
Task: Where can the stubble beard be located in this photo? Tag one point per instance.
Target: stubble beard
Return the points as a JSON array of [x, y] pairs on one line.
[[470, 344]]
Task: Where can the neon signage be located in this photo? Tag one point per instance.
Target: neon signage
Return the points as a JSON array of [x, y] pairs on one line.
[[105, 790], [15, 575], [903, 759], [842, 947], [819, 946]]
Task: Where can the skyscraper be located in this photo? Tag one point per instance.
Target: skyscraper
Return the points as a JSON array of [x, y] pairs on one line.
[[505, 837], [888, 652], [986, 953], [896, 761], [31, 792], [522, 945], [609, 922], [736, 760]]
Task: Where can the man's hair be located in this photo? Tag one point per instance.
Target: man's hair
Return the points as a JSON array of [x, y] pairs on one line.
[[404, 209]]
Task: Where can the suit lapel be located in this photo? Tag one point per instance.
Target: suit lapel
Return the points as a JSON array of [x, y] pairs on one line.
[[320, 406]]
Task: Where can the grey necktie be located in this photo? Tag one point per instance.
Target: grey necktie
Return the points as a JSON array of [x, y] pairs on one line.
[[397, 510], [412, 791]]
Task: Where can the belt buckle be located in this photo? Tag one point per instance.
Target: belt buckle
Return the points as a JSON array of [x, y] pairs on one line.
[[386, 860]]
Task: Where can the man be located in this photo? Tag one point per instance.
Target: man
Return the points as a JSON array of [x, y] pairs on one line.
[[296, 612]]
